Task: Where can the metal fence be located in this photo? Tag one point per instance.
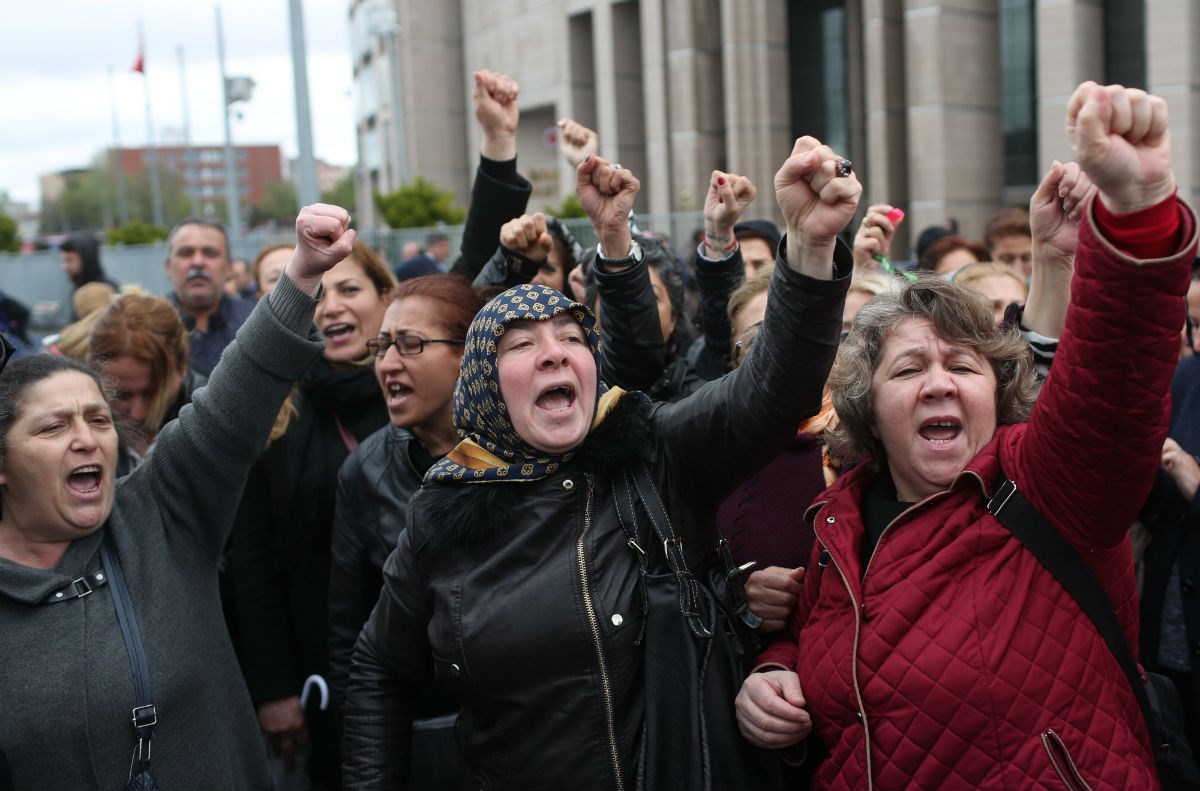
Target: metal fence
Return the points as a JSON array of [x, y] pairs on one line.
[[37, 280]]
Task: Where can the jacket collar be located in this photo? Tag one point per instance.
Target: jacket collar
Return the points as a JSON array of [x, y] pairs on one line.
[[982, 472]]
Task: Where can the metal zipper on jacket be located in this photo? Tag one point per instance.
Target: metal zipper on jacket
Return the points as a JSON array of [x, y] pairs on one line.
[[597, 641], [931, 498], [858, 610], [862, 709]]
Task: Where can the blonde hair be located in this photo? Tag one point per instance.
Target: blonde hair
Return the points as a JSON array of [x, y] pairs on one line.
[[873, 283], [146, 328], [91, 297], [971, 274], [89, 301], [741, 296]]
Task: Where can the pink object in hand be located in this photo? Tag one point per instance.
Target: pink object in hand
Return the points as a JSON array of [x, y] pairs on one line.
[[895, 216]]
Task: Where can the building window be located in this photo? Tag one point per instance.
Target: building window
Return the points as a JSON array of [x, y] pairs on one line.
[[1018, 86], [818, 72], [1125, 43]]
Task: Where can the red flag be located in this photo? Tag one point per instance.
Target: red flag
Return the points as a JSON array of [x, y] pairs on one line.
[[139, 65]]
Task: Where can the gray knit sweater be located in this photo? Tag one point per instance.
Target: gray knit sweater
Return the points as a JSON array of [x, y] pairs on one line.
[[66, 690]]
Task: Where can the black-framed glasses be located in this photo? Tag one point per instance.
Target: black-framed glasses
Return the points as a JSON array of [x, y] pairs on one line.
[[406, 345]]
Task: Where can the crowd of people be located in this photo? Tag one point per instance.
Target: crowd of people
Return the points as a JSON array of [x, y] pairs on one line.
[[318, 520]]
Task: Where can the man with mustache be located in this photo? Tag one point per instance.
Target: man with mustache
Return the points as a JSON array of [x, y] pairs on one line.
[[198, 266]]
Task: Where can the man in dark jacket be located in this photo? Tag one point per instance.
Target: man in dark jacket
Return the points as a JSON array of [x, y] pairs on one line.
[[198, 266]]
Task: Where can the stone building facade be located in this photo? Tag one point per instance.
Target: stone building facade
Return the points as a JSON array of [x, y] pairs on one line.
[[948, 108]]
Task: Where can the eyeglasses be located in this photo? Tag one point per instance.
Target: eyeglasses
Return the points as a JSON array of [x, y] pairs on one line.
[[746, 340], [406, 345]]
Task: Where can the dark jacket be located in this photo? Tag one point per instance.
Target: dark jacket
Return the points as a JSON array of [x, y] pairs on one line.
[[280, 552], [499, 194], [204, 348], [66, 686], [523, 597], [633, 340], [1174, 525], [374, 487], [90, 269], [282, 534], [717, 279]]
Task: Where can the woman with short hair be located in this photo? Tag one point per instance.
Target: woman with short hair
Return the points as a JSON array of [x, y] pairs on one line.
[[929, 647]]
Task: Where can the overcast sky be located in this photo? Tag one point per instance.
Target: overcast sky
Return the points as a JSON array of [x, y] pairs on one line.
[[56, 106]]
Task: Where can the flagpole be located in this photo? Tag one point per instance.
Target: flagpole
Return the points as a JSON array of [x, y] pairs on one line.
[[189, 171], [306, 168], [231, 188], [151, 151], [115, 163]]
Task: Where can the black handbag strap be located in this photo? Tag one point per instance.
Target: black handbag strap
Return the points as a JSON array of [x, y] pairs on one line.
[[639, 480], [1047, 544], [144, 715]]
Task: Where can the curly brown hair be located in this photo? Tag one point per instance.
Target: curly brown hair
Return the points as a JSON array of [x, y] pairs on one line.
[[959, 315]]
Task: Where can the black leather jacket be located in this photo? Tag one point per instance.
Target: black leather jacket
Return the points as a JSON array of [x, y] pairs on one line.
[[374, 487], [524, 599]]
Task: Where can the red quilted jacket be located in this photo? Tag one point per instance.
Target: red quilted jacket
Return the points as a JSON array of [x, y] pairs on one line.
[[957, 661]]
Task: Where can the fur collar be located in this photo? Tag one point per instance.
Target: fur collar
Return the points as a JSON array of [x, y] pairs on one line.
[[460, 515]]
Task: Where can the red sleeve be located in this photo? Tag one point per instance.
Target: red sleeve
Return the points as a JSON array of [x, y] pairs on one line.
[[1148, 234]]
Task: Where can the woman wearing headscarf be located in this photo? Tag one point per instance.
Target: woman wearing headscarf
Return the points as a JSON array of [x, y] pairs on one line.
[[930, 648], [514, 583]]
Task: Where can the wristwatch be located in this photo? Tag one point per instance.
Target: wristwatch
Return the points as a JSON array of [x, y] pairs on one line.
[[634, 256]]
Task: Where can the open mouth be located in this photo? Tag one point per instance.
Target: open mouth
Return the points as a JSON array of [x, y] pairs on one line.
[[335, 332], [85, 480], [940, 432], [397, 391], [557, 399]]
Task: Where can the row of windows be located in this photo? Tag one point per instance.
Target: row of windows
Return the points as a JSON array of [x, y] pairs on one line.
[[821, 83]]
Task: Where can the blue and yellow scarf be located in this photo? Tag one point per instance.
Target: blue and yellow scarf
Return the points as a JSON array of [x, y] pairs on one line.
[[490, 448]]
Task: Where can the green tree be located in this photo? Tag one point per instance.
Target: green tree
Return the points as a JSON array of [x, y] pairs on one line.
[[81, 206], [420, 204], [10, 240], [570, 209], [136, 232], [89, 199], [176, 203], [278, 205], [342, 193]]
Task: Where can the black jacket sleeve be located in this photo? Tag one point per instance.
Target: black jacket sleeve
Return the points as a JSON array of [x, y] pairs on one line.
[[718, 279], [350, 600], [392, 661], [731, 427], [499, 195], [633, 349]]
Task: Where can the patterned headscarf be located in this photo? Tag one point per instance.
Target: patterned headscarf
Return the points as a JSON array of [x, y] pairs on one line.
[[491, 449]]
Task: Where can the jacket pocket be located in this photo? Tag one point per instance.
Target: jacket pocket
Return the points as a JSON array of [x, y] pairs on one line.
[[1062, 762]]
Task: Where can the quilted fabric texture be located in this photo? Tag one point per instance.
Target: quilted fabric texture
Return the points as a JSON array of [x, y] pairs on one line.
[[957, 661]]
